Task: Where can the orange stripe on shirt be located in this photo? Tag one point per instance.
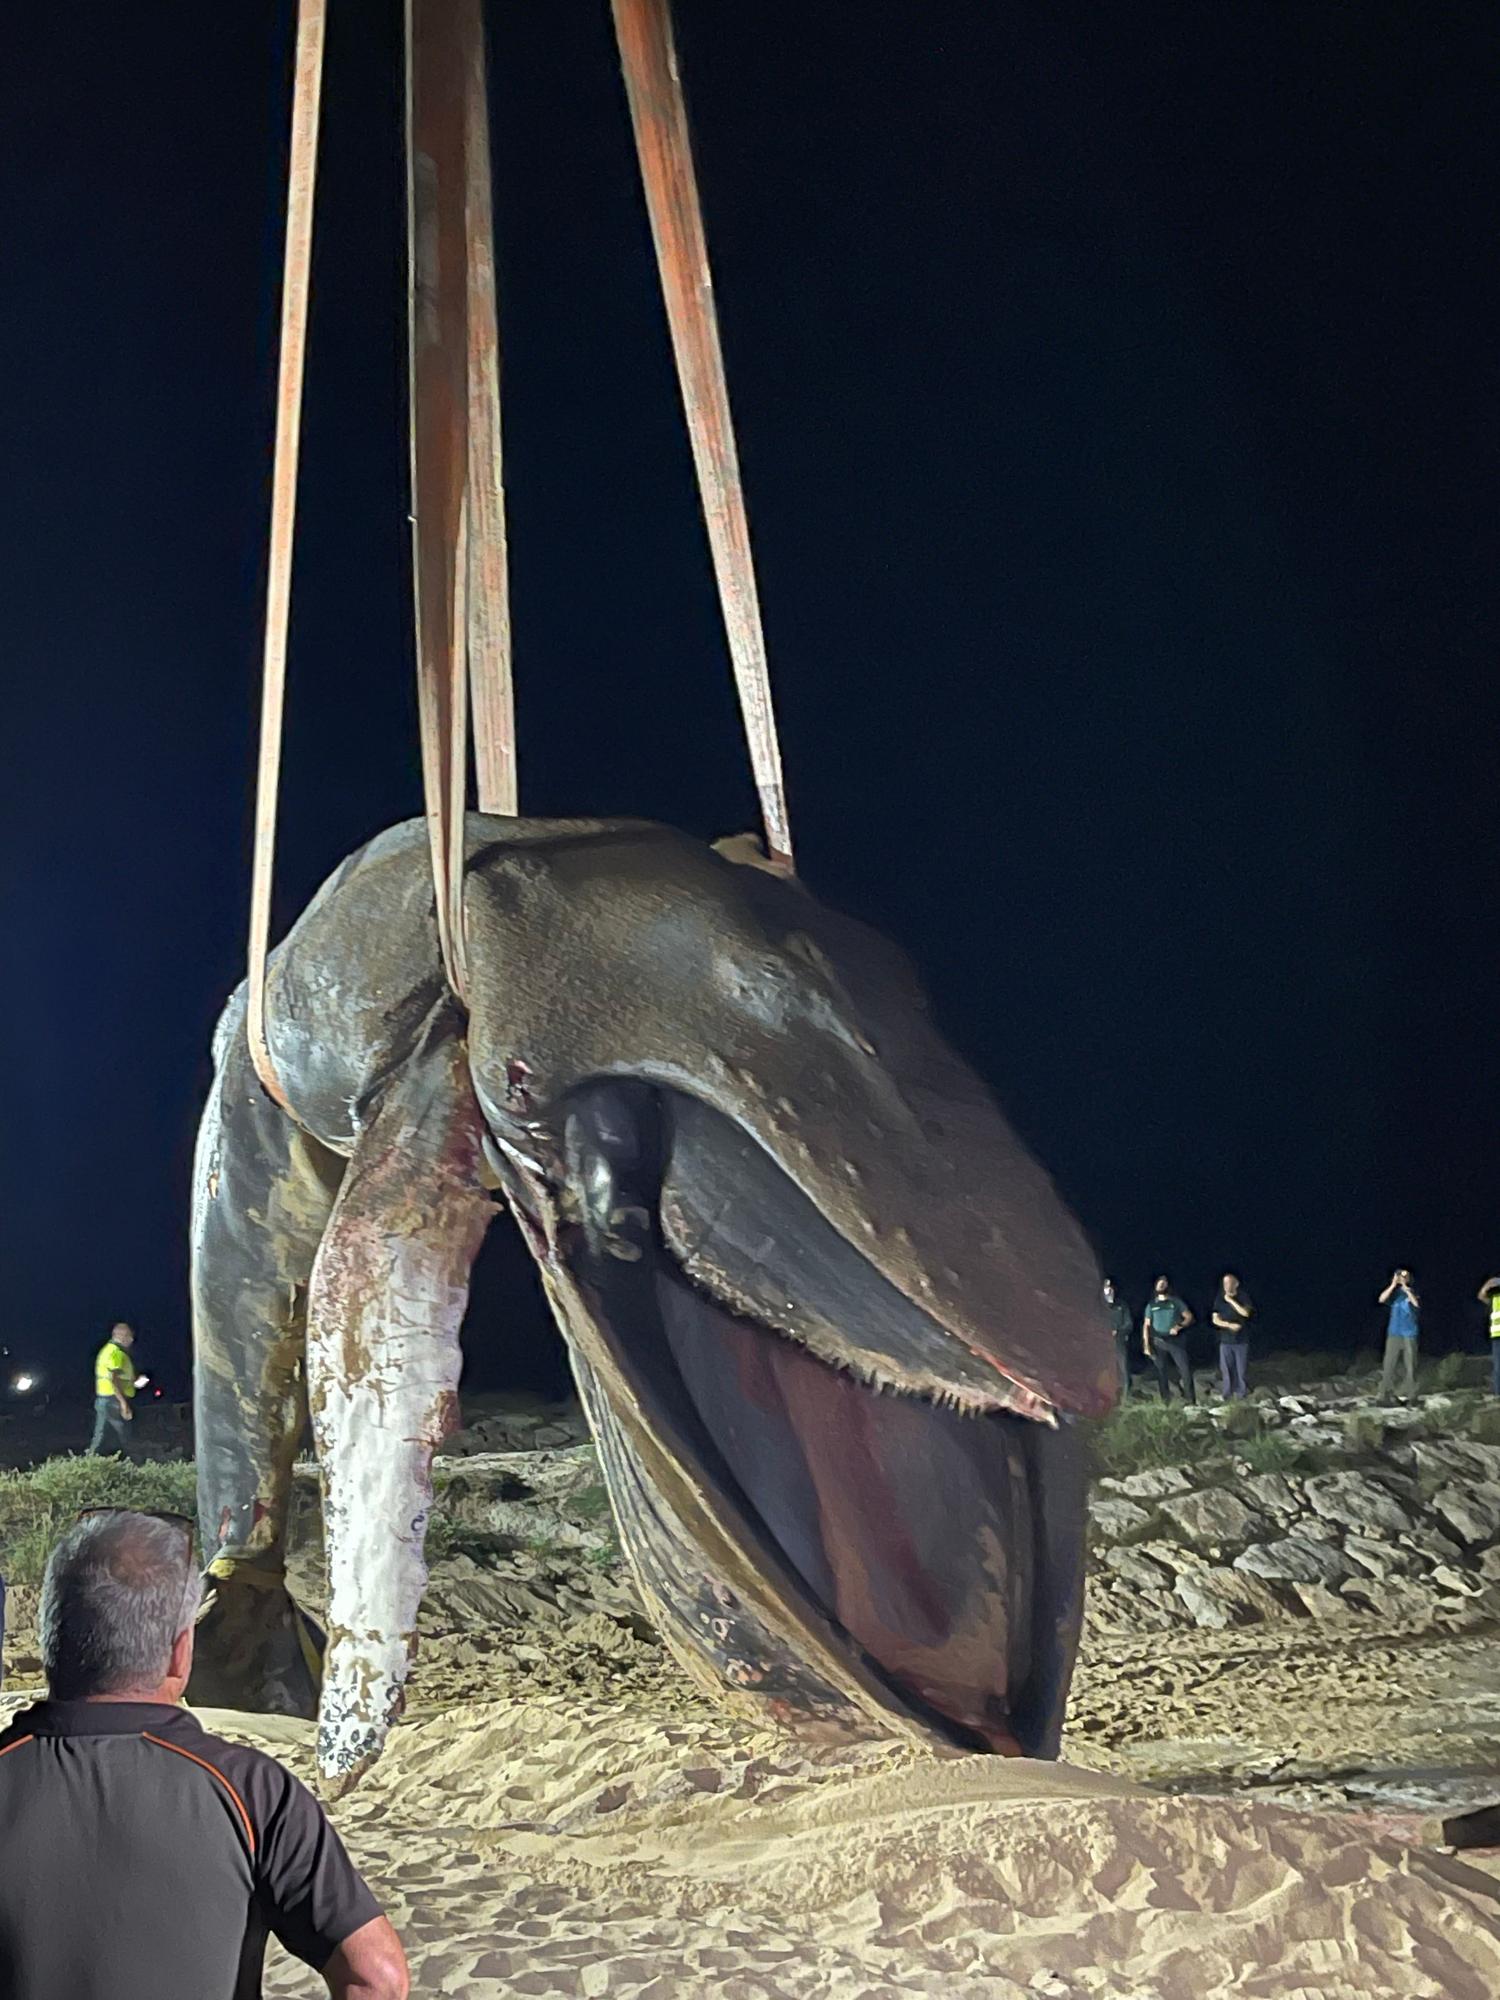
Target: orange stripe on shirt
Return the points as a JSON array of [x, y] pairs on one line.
[[214, 1772]]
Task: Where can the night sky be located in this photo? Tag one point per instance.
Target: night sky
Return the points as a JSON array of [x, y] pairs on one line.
[[1116, 391]]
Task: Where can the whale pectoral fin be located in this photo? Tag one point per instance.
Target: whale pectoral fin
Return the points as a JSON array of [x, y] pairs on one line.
[[263, 1192], [388, 1295]]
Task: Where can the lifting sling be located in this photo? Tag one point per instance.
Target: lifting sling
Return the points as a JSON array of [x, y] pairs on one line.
[[459, 557]]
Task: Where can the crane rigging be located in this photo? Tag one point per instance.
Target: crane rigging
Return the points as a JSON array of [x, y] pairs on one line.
[[460, 575], [758, 1190]]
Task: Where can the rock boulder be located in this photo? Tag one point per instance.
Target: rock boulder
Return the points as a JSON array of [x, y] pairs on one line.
[[1297, 1560], [1114, 1520], [1472, 1512], [1216, 1518], [1359, 1501]]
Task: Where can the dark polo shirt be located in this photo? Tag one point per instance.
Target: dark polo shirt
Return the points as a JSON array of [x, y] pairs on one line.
[[1238, 1311], [143, 1859]]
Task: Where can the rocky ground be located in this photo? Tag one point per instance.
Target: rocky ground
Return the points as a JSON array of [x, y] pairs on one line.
[[1321, 1631]]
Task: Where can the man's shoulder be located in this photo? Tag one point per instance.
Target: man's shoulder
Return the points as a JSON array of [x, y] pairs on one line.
[[262, 1783], [190, 1733]]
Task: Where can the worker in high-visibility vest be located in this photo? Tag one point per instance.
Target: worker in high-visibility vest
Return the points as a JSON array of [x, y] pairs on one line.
[[115, 1384], [1489, 1294]]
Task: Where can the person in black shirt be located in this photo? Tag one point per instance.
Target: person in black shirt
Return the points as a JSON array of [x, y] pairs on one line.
[[140, 1857], [1232, 1315], [1163, 1335], [1118, 1314]]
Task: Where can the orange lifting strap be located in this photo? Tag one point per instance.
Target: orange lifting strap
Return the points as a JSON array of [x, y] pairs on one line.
[[459, 560], [301, 179], [648, 55]]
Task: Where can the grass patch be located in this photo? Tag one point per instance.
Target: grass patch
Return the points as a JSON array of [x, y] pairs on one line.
[[1271, 1451], [1239, 1420], [592, 1504], [452, 1535], [1139, 1435], [1450, 1372], [1293, 1368], [549, 1547], [39, 1504]]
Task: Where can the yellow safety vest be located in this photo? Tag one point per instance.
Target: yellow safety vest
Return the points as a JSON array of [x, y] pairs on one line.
[[110, 1361], [1495, 1315]]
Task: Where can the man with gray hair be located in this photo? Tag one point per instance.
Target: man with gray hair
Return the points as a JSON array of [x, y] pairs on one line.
[[140, 1857]]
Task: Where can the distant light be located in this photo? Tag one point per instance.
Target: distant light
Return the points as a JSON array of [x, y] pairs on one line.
[[141, 1381], [156, 1393], [23, 1384]]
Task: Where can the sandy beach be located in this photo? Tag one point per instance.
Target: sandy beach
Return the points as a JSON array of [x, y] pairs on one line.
[[554, 1847]]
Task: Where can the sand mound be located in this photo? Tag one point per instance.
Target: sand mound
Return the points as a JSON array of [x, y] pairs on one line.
[[585, 1849]]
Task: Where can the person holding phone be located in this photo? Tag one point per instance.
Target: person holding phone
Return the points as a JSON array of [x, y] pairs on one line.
[[1402, 1331], [1232, 1315]]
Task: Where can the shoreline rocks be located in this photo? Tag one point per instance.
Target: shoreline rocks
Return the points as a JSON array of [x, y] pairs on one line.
[[1376, 1515]]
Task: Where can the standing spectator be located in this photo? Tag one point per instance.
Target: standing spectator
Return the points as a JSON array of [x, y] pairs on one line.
[[1118, 1314], [1232, 1315], [1163, 1328], [1489, 1295], [140, 1857], [1401, 1333], [114, 1386]]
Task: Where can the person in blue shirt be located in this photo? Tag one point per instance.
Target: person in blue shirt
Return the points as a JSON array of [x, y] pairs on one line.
[[1401, 1332]]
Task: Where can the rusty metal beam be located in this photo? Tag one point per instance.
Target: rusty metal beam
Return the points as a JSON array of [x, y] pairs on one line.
[[648, 56], [301, 185]]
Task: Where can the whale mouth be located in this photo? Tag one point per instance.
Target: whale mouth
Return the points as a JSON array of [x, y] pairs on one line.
[[881, 1481]]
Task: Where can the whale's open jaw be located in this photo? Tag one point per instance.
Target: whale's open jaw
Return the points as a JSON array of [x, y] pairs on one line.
[[880, 1482]]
